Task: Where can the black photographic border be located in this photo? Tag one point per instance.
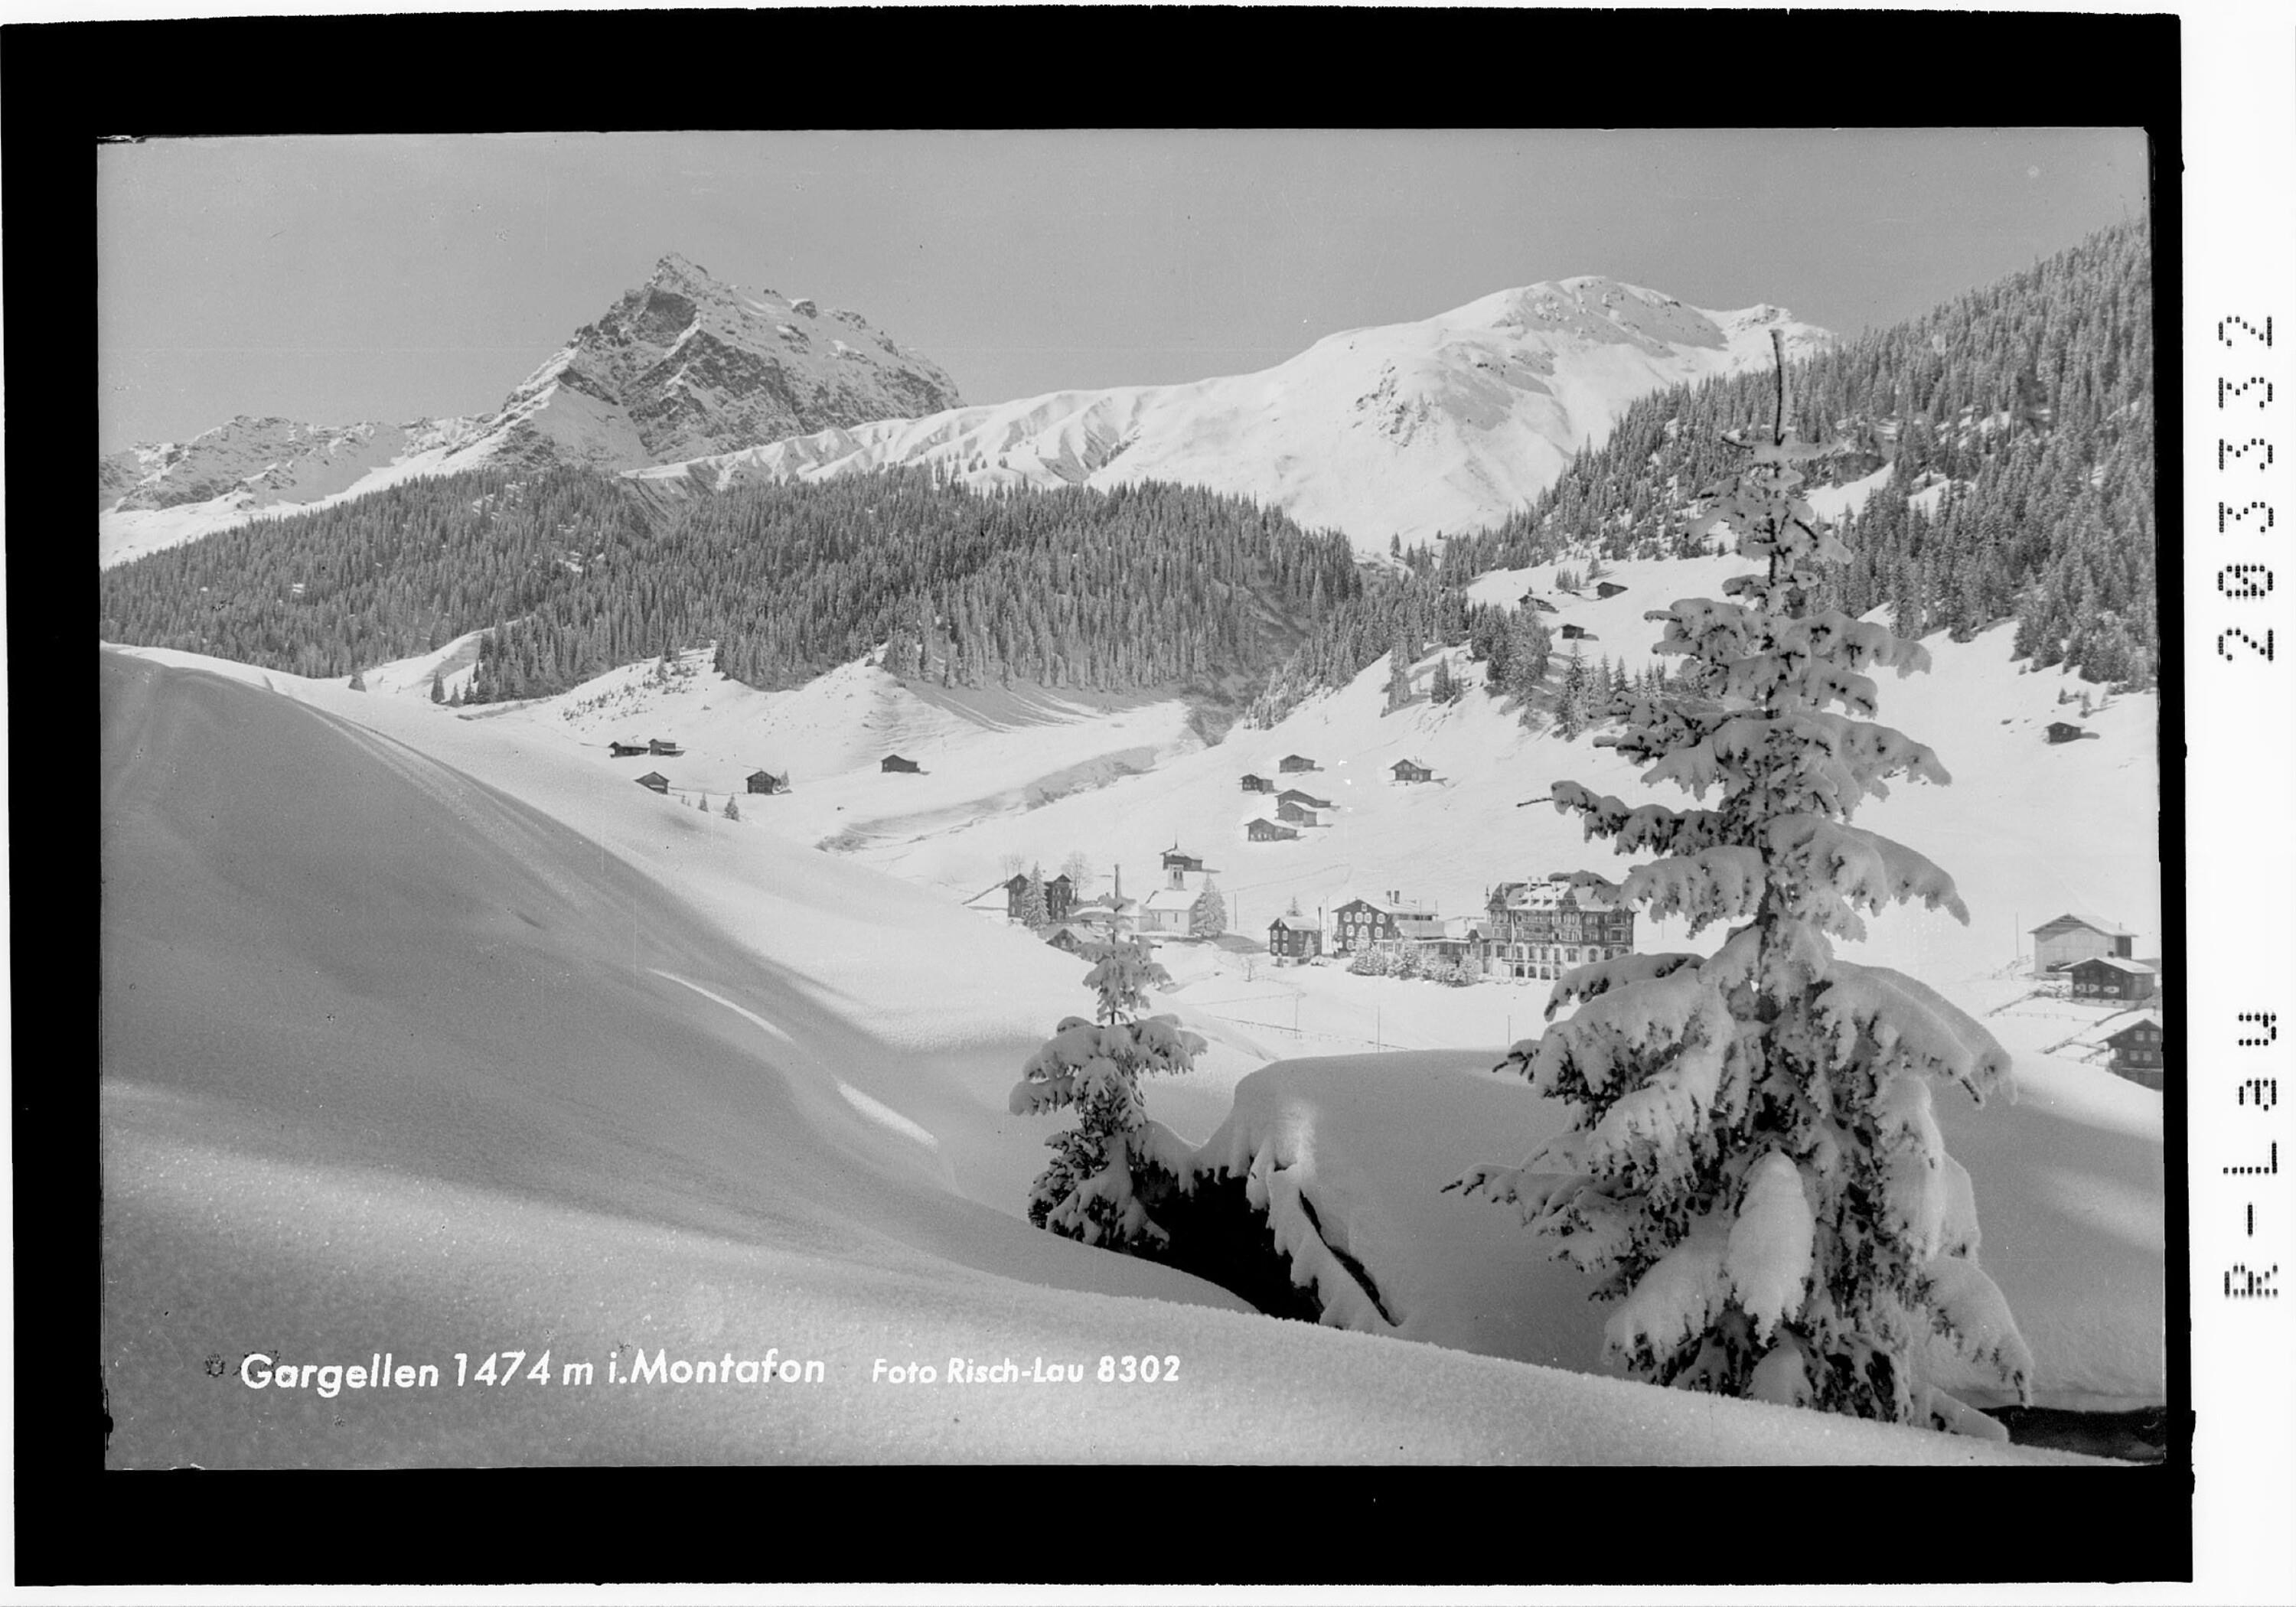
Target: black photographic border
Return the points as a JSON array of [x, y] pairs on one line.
[[65, 87]]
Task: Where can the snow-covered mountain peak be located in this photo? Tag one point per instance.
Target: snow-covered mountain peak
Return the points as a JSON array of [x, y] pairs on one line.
[[1444, 423], [680, 366]]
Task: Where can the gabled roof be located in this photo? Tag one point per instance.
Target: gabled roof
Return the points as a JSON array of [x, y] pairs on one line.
[[653, 775], [2130, 966], [2147, 1019], [1294, 923], [2091, 921], [1171, 898]]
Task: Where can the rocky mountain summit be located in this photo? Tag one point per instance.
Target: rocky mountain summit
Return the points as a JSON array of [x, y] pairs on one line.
[[682, 366]]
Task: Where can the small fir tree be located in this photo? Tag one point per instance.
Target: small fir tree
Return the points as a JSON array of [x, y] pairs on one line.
[[438, 688], [1208, 917], [1034, 911], [1753, 1172], [1399, 673], [732, 811], [358, 681], [1571, 708], [1091, 1191]]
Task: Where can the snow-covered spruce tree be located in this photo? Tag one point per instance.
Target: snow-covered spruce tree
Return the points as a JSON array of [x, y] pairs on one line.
[[1034, 910], [1754, 1171], [1091, 1191]]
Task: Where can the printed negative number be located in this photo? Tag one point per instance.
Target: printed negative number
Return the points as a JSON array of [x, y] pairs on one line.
[[1139, 1369]]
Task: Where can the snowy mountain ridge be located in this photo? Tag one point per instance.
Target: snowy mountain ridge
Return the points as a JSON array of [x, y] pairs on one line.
[[1405, 429], [682, 366], [1446, 423]]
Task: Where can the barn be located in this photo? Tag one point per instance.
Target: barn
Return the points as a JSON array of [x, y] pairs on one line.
[[2060, 731], [1578, 633], [666, 750], [626, 749], [2058, 943], [1291, 813], [1305, 800], [906, 767], [1292, 764], [1267, 830], [654, 781], [1411, 769], [2140, 1052], [1258, 783], [2108, 977], [767, 783], [1609, 588]]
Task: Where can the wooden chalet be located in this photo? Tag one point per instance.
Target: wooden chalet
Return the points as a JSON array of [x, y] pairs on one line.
[[1258, 783], [1069, 938], [1305, 800], [2059, 943], [654, 781], [906, 767], [1578, 633], [767, 783], [666, 750], [1294, 938], [1060, 896], [1609, 588], [2060, 731], [1267, 830], [1292, 764], [1540, 603], [626, 749], [1411, 770], [1293, 814], [1361, 923], [1175, 860], [2109, 976], [2140, 1052]]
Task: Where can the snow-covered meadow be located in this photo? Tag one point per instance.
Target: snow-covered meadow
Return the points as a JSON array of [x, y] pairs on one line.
[[430, 1034]]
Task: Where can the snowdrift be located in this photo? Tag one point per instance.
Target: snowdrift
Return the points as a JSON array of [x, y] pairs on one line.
[[398, 1062], [2068, 1184]]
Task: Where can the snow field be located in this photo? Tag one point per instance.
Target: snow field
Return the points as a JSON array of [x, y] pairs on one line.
[[400, 1070]]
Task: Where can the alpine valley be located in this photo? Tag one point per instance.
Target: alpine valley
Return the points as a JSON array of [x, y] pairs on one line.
[[513, 901]]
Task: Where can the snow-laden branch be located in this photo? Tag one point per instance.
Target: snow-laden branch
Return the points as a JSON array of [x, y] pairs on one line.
[[1842, 867], [1887, 1021]]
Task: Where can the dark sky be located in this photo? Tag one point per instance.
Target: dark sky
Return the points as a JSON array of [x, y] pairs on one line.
[[334, 279]]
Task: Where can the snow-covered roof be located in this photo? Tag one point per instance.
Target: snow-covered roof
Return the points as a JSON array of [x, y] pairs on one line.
[[2091, 921], [2130, 966], [1171, 898], [1295, 924]]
